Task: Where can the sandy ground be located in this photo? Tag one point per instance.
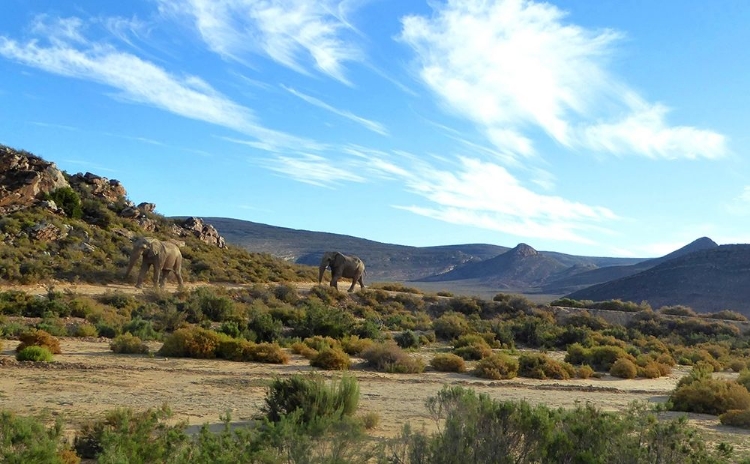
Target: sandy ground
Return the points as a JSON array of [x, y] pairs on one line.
[[87, 379]]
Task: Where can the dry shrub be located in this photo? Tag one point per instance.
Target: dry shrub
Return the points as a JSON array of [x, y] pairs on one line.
[[193, 342], [302, 349], [584, 372], [496, 367], [737, 365], [650, 370], [706, 395], [84, 330], [370, 420], [331, 359], [473, 352], [604, 357], [35, 337], [353, 345], [128, 343], [624, 368], [448, 362], [389, 357], [666, 358], [736, 418], [744, 378], [541, 366], [319, 343], [270, 353]]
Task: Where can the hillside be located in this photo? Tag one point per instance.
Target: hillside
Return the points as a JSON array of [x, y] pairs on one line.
[[577, 281], [706, 280]]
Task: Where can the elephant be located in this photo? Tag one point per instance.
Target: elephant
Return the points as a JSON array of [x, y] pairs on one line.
[[163, 256], [342, 265]]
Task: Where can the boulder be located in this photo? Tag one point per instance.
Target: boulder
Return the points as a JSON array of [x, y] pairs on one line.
[[204, 232], [24, 177], [110, 190]]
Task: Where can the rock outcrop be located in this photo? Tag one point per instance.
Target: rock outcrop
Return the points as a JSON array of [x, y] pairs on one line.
[[24, 177], [204, 232], [109, 190]]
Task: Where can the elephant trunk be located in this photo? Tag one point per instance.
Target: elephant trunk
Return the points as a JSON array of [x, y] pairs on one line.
[[322, 271], [133, 259]]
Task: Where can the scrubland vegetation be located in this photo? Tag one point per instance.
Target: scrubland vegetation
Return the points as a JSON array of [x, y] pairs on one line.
[[390, 328]]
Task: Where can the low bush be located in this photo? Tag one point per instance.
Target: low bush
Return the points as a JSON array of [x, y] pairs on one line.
[[303, 350], [36, 337], [448, 362], [311, 398], [331, 359], [706, 395], [354, 345], [192, 342], [28, 440], [407, 339], [736, 418], [389, 357], [541, 366], [270, 353], [744, 378], [84, 330], [128, 343], [370, 420], [496, 367], [450, 326], [624, 369], [34, 353], [584, 372]]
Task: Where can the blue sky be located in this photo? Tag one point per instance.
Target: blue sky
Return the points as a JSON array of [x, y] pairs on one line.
[[607, 128]]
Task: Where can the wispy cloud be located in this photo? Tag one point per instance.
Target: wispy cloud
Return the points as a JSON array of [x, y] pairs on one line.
[[140, 81], [740, 205], [486, 195], [295, 34], [366, 123], [311, 169], [516, 66]]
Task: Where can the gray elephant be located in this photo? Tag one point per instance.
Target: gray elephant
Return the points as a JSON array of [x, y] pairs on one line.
[[165, 257], [342, 265]]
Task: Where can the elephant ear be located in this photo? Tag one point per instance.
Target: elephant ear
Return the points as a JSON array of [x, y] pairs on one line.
[[339, 259], [153, 248]]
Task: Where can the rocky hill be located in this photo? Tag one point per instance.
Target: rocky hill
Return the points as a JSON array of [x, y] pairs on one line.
[[706, 280], [79, 227]]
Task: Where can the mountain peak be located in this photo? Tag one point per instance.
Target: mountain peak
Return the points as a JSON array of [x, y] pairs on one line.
[[523, 250]]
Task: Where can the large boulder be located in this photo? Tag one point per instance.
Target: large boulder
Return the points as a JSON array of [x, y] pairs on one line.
[[109, 190], [24, 178], [205, 232]]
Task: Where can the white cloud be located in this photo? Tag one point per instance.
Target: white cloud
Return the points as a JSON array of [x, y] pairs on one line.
[[293, 33], [311, 169], [740, 205], [368, 124], [515, 66], [143, 82]]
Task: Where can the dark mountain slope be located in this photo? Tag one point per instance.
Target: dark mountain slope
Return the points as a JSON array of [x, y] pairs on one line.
[[384, 261], [706, 280], [574, 282], [521, 267]]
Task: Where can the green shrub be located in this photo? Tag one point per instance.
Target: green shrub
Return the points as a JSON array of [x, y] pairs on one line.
[[192, 342], [448, 362], [736, 418], [496, 367], [354, 345], [128, 343], [541, 366], [474, 351], [371, 420], [319, 343], [311, 398], [737, 365], [450, 326], [603, 357], [653, 370], [389, 357], [706, 395], [36, 337], [84, 330], [331, 359], [67, 199], [624, 368], [407, 339], [28, 440], [34, 353]]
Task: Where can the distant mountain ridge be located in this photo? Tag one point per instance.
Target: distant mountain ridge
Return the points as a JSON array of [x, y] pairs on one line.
[[706, 280], [390, 262], [577, 281]]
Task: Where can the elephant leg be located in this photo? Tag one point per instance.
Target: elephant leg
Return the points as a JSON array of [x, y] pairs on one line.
[[164, 276], [335, 282], [355, 278], [179, 279], [141, 275], [361, 282]]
